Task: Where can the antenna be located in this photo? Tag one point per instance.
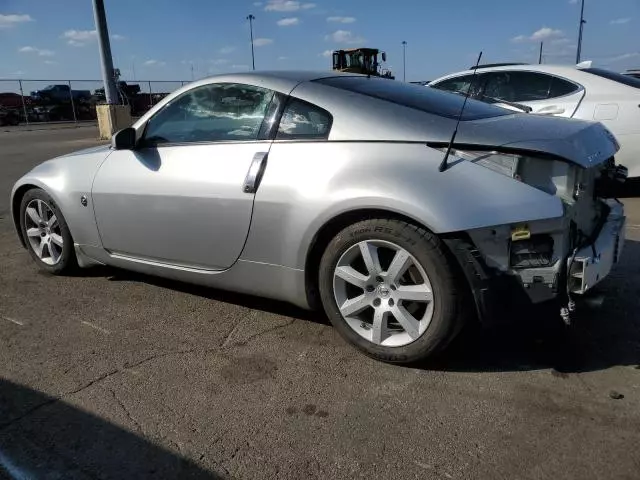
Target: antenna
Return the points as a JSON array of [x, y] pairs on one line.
[[443, 164]]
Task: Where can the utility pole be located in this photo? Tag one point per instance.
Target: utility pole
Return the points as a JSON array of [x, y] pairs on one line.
[[540, 56], [192, 77], [404, 61], [106, 62], [582, 22], [251, 18]]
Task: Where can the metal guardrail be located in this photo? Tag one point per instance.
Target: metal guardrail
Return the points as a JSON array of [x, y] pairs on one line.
[[28, 101]]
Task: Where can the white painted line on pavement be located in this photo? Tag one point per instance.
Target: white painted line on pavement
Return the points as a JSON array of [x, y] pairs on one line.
[[95, 327], [15, 472], [13, 320]]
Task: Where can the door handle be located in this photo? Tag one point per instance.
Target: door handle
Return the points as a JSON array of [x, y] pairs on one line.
[[551, 110], [256, 170]]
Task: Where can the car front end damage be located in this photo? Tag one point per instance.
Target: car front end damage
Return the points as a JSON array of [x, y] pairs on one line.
[[559, 258]]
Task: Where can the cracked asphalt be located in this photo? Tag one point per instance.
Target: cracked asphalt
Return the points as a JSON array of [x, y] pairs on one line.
[[116, 375]]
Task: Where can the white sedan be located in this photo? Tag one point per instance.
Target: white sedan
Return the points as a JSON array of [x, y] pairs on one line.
[[567, 91]]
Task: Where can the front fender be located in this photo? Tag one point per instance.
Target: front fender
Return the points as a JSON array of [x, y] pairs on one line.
[[66, 179]]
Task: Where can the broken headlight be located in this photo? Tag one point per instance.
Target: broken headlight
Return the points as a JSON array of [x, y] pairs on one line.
[[554, 177]]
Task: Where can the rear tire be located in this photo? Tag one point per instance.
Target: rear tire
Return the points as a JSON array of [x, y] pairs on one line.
[[46, 233], [391, 314]]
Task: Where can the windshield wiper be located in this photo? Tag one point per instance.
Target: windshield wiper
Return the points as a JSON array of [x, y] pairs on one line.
[[519, 106]]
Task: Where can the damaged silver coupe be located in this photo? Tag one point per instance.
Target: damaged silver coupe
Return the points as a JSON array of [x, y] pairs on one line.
[[337, 192]]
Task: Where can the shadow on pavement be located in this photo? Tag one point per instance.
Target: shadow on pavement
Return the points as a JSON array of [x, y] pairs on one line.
[[44, 437], [241, 299], [599, 338]]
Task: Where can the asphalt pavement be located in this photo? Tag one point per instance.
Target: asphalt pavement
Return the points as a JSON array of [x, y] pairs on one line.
[[111, 374]]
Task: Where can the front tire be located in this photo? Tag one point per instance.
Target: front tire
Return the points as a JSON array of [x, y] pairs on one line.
[[46, 233], [389, 288]]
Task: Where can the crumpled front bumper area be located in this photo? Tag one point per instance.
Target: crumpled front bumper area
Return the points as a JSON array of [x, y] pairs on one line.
[[593, 262], [499, 296]]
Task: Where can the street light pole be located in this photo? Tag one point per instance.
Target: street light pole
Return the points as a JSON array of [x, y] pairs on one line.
[[251, 18], [540, 56], [582, 22], [106, 62], [404, 61]]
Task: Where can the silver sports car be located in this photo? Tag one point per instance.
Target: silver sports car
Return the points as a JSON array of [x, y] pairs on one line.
[[340, 191]]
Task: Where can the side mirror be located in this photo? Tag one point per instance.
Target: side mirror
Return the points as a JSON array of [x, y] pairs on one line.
[[125, 139], [384, 56]]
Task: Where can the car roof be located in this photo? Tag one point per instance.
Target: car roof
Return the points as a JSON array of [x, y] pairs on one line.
[[280, 80], [569, 72]]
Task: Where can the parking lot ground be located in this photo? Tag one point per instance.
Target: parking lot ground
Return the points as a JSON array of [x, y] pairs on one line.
[[110, 374]]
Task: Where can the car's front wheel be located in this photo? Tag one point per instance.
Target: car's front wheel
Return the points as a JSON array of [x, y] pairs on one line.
[[389, 288], [46, 233]]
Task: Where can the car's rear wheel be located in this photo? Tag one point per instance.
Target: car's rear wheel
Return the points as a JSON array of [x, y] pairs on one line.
[[389, 288], [46, 233]]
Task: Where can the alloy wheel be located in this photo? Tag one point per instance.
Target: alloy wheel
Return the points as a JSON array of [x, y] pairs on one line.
[[43, 232], [383, 293]]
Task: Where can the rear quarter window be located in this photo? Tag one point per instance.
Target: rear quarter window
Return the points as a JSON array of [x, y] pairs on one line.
[[425, 99]]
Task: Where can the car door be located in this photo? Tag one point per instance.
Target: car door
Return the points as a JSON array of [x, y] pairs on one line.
[[184, 197], [545, 94]]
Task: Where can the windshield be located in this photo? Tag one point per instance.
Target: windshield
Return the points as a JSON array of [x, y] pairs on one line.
[[616, 77], [425, 99]]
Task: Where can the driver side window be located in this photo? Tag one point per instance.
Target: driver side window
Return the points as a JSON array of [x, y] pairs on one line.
[[210, 113]]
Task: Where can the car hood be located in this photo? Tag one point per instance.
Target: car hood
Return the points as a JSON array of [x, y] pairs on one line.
[[583, 143], [99, 149]]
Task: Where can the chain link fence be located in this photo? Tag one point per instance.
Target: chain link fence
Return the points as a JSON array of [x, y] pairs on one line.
[[25, 101]]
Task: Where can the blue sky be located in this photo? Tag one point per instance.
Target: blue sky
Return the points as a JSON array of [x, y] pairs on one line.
[[161, 39]]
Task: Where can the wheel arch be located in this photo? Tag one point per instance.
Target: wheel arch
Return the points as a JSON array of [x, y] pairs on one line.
[[16, 200], [329, 230]]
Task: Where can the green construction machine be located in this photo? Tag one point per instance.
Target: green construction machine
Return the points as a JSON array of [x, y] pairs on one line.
[[361, 60]]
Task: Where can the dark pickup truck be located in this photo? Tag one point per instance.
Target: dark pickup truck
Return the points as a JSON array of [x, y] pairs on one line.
[[60, 93]]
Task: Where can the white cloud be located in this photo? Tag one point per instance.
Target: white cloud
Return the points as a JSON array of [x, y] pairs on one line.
[[624, 56], [287, 6], [50, 62], [344, 37], [261, 42], [573, 2], [286, 22], [227, 50], [327, 53], [8, 21], [79, 38], [620, 21], [257, 4], [341, 19], [240, 67], [545, 33], [154, 63], [38, 51], [283, 58]]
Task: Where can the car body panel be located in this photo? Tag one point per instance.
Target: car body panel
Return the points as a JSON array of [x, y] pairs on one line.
[[306, 185], [175, 202], [67, 179]]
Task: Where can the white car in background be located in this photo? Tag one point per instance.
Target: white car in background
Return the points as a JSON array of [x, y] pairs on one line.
[[567, 91]]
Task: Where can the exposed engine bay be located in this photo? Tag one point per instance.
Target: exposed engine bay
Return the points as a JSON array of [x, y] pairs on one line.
[[560, 257]]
